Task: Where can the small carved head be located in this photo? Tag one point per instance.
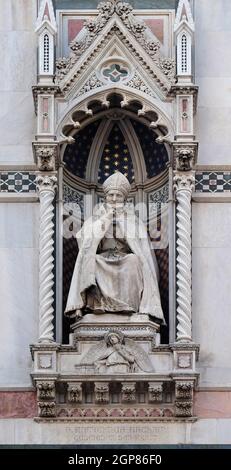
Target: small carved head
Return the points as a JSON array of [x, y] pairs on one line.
[[113, 337]]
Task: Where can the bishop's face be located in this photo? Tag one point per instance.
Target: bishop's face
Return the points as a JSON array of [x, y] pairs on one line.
[[115, 198]]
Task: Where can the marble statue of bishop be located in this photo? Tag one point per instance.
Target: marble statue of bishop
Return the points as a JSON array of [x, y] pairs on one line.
[[115, 270]]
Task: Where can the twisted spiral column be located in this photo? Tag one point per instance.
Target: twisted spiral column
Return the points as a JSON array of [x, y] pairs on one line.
[[46, 186], [183, 185]]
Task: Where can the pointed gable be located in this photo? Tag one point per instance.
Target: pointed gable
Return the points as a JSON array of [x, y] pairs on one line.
[[184, 16], [46, 14], [115, 22], [46, 17]]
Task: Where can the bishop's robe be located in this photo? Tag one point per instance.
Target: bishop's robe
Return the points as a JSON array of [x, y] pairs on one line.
[[115, 270]]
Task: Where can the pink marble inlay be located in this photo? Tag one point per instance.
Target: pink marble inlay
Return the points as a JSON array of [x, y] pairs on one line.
[[157, 28], [74, 27], [18, 405], [184, 115], [213, 404], [45, 115], [46, 12]]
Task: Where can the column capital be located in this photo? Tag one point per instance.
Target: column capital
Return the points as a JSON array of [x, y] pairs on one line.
[[184, 181], [46, 183]]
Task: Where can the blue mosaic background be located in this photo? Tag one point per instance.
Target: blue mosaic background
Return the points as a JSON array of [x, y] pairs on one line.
[[155, 155], [76, 155], [116, 155]]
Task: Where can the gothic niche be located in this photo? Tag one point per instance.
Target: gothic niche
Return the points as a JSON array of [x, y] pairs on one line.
[[116, 141]]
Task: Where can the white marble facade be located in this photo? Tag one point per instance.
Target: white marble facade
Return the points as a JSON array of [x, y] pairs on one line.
[[211, 223], [212, 75]]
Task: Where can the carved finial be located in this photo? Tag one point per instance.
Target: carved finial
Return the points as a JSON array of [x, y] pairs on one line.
[[184, 16], [46, 16]]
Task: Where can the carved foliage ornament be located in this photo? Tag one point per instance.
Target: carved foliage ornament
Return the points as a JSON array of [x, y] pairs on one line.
[[46, 397], [46, 182], [155, 392], [184, 409], [128, 392], [46, 390], [102, 392], [184, 182], [75, 393], [184, 398], [184, 390], [47, 410], [93, 27]]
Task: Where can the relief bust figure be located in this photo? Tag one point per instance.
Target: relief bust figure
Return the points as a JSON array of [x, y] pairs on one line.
[[115, 270]]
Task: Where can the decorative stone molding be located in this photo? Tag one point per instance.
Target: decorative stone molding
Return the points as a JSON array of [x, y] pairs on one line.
[[184, 361], [119, 414], [92, 83], [46, 398], [184, 398], [45, 361], [183, 185], [185, 356], [37, 90], [138, 84], [46, 156], [155, 392], [45, 390], [94, 28], [46, 186], [139, 396], [47, 409], [185, 90], [184, 390], [184, 181], [74, 392], [128, 392], [184, 409], [184, 156], [101, 392]]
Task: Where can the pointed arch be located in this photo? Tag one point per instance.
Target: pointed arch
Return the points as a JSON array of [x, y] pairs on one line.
[[148, 106]]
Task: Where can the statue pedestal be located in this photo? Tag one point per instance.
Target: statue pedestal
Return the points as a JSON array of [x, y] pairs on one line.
[[93, 327], [115, 370]]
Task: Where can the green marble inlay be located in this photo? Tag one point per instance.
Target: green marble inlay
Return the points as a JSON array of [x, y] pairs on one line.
[[115, 73], [92, 4]]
